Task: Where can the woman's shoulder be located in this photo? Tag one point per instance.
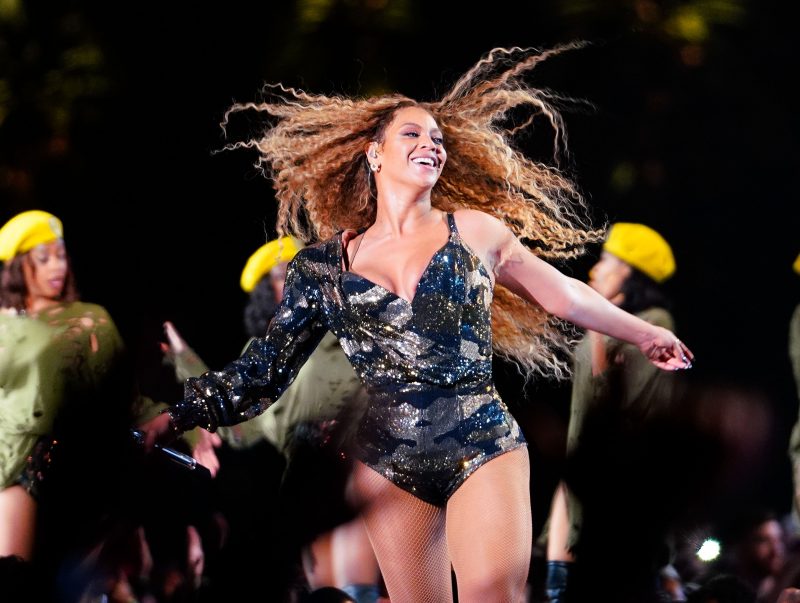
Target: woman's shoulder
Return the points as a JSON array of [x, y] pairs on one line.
[[476, 217], [796, 315], [319, 258], [317, 251], [480, 225]]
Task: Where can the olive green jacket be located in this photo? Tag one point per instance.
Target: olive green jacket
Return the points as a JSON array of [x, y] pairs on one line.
[[631, 388], [48, 360]]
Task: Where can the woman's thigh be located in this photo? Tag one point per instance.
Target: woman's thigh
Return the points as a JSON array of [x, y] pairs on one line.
[[408, 536], [489, 532], [17, 522]]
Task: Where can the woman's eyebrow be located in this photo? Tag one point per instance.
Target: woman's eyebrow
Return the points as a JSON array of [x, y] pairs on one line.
[[410, 123]]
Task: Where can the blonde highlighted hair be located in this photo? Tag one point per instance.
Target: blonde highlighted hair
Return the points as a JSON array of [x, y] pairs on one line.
[[314, 154]]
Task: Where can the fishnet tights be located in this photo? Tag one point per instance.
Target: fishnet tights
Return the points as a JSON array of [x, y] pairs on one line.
[[484, 531]]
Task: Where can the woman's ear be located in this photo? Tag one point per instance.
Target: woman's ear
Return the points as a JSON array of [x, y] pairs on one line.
[[372, 157], [372, 150]]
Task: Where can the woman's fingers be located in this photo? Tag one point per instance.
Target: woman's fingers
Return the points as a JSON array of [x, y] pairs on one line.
[[155, 430], [683, 353], [176, 342], [204, 451], [671, 356]]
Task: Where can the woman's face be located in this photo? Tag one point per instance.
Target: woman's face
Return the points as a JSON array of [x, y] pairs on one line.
[[45, 270], [608, 275], [412, 151]]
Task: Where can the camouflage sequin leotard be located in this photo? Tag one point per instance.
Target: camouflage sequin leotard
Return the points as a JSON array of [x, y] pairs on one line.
[[433, 416]]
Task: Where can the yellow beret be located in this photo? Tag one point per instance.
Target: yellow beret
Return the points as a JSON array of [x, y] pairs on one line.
[[25, 231], [643, 248], [266, 258], [797, 265]]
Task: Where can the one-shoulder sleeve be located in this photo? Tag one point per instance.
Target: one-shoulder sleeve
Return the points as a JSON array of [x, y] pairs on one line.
[[252, 383]]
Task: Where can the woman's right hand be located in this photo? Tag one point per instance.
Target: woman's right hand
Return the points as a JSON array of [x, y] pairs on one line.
[[665, 350], [158, 430]]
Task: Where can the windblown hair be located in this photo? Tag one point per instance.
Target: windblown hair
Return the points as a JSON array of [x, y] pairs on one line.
[[314, 152], [14, 291]]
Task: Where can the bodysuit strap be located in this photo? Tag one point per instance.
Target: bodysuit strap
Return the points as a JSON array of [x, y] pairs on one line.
[[451, 223]]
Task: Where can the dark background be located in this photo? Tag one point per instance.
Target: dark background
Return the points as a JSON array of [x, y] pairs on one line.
[[109, 117]]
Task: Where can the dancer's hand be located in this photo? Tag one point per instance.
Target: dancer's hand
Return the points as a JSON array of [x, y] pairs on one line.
[[174, 345], [158, 430], [665, 350], [203, 451]]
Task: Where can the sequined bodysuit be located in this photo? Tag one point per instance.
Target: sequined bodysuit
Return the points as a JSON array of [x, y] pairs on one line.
[[433, 416]]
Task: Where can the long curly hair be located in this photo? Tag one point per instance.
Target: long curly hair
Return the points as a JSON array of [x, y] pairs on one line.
[[313, 150]]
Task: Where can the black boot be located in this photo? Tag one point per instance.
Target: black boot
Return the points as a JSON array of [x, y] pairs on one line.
[[557, 581]]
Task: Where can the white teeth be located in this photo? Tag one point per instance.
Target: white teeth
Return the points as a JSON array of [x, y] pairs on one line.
[[425, 161]]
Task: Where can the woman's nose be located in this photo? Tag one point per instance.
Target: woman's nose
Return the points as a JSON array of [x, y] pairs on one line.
[[56, 262]]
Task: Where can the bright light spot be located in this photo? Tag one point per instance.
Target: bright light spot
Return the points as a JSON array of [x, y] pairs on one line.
[[709, 550]]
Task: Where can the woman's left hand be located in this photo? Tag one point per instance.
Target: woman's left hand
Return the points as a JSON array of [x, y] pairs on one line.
[[666, 351]]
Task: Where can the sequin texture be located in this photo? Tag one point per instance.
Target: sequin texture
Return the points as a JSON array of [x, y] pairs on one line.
[[434, 415]]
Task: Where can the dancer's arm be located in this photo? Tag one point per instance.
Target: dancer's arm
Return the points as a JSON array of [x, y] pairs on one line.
[[519, 270]]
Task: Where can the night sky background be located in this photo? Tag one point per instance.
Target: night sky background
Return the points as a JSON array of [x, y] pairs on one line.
[[109, 118]]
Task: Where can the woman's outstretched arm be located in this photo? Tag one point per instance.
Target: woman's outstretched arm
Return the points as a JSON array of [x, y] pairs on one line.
[[519, 270], [249, 385]]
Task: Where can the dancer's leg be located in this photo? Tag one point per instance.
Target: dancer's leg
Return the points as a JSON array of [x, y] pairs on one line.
[[355, 568], [559, 558], [17, 522], [558, 534], [318, 562], [489, 532], [408, 536]]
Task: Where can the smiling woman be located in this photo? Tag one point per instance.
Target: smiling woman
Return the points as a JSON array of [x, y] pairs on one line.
[[416, 239], [54, 351]]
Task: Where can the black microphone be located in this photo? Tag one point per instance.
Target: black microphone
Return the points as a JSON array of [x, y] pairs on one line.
[[184, 460]]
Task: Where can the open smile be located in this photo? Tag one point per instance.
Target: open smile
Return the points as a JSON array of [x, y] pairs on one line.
[[427, 161]]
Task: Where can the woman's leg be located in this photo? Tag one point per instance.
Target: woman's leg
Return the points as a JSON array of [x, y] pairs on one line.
[[558, 534], [489, 532], [17, 522], [355, 568], [559, 558], [408, 537], [318, 562]]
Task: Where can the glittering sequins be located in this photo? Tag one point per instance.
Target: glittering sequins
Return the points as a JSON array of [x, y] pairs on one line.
[[434, 416], [397, 312]]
